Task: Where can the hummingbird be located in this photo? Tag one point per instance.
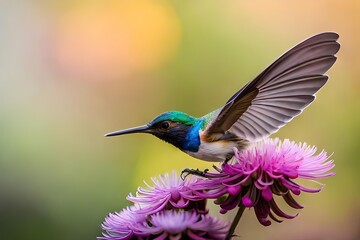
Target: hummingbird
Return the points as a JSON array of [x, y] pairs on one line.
[[265, 104]]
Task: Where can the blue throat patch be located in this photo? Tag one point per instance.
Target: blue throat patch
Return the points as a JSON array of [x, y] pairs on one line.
[[192, 140]]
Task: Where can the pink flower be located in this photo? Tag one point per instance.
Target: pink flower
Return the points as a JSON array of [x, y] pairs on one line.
[[167, 210], [262, 170], [124, 225], [168, 192], [187, 225], [168, 224]]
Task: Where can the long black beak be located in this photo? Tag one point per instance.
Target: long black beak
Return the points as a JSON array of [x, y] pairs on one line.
[[141, 129]]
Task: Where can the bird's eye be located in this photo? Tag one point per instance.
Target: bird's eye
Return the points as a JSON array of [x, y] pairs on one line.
[[164, 125]]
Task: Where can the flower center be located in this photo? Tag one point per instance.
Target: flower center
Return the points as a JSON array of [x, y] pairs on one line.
[[175, 194]]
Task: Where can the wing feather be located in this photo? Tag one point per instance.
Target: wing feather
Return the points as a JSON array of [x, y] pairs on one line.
[[280, 92], [294, 87]]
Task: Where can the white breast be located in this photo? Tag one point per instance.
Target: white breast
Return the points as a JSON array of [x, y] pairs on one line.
[[216, 151]]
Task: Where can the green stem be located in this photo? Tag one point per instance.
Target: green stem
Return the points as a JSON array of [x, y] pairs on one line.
[[235, 222]]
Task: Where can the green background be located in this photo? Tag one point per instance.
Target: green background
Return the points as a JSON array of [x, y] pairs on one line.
[[71, 71]]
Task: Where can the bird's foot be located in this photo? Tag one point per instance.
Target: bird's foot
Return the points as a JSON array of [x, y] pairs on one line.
[[228, 158], [187, 171]]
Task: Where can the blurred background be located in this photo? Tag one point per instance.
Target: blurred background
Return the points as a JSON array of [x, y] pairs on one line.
[[71, 71]]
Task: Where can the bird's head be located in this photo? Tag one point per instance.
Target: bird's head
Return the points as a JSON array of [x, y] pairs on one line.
[[172, 127]]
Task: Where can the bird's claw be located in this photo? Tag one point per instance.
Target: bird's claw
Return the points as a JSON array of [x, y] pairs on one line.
[[187, 171]]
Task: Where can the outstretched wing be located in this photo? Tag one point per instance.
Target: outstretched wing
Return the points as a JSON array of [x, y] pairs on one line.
[[280, 92]]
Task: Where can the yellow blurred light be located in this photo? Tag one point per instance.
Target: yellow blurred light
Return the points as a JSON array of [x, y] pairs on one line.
[[105, 41]]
